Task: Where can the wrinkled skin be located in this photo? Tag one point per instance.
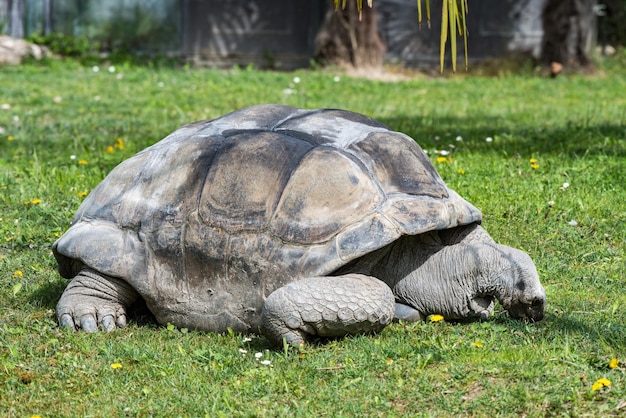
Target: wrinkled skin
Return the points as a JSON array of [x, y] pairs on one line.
[[458, 275]]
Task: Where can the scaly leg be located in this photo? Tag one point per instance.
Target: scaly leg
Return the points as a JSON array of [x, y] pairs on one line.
[[327, 307]]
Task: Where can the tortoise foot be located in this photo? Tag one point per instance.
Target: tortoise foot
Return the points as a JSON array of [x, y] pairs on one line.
[[93, 301]]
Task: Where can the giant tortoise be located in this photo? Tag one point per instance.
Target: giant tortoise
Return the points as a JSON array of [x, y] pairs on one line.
[[288, 222]]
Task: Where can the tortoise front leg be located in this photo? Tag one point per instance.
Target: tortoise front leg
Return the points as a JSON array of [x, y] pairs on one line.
[[327, 307], [93, 300]]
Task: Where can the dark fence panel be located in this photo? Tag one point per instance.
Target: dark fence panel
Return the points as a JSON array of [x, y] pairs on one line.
[[277, 33], [496, 27]]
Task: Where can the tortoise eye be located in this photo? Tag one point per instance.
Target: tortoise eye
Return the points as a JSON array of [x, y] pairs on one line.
[[521, 286]]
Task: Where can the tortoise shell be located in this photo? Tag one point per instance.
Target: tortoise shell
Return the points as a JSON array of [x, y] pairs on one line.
[[206, 223]]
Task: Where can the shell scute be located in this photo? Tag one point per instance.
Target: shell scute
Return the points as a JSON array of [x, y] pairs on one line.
[[338, 128], [400, 165], [327, 192], [247, 178], [365, 236], [261, 117]]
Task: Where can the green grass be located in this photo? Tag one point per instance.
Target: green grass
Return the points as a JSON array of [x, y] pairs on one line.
[[575, 127]]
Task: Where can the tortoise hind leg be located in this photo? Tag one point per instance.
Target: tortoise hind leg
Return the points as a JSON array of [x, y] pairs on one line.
[[93, 300], [327, 307]]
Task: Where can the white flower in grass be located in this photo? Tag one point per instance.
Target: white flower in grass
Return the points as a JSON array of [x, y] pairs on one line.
[[336, 79], [246, 339], [459, 138], [489, 139], [443, 152], [572, 223], [296, 80], [565, 186], [288, 92], [266, 362], [95, 69], [161, 84], [57, 99], [111, 69], [258, 355], [16, 118], [5, 106], [72, 157]]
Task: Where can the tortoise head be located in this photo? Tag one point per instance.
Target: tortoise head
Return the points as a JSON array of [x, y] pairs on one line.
[[523, 297]]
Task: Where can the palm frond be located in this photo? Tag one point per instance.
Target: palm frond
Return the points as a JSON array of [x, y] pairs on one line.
[[453, 22]]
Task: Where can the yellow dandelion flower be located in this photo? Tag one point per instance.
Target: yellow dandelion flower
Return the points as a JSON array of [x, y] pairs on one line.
[[18, 274], [83, 162], [441, 159], [477, 344], [119, 144], [600, 384], [389, 361], [614, 363], [460, 171], [35, 416], [10, 138], [82, 194], [35, 201], [534, 166], [110, 149], [533, 160], [435, 318], [116, 366]]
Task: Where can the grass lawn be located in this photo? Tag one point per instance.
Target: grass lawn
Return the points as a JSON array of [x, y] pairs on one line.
[[60, 125]]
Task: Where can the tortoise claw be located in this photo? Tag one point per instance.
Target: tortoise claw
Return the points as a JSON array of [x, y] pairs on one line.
[[121, 320], [88, 323], [108, 323], [67, 322]]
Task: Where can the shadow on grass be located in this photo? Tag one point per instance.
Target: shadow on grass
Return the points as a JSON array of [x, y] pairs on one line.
[[609, 334], [573, 140], [563, 325], [48, 294]]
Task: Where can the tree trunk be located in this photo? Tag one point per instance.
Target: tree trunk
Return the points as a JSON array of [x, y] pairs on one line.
[[16, 18], [567, 31], [343, 39]]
